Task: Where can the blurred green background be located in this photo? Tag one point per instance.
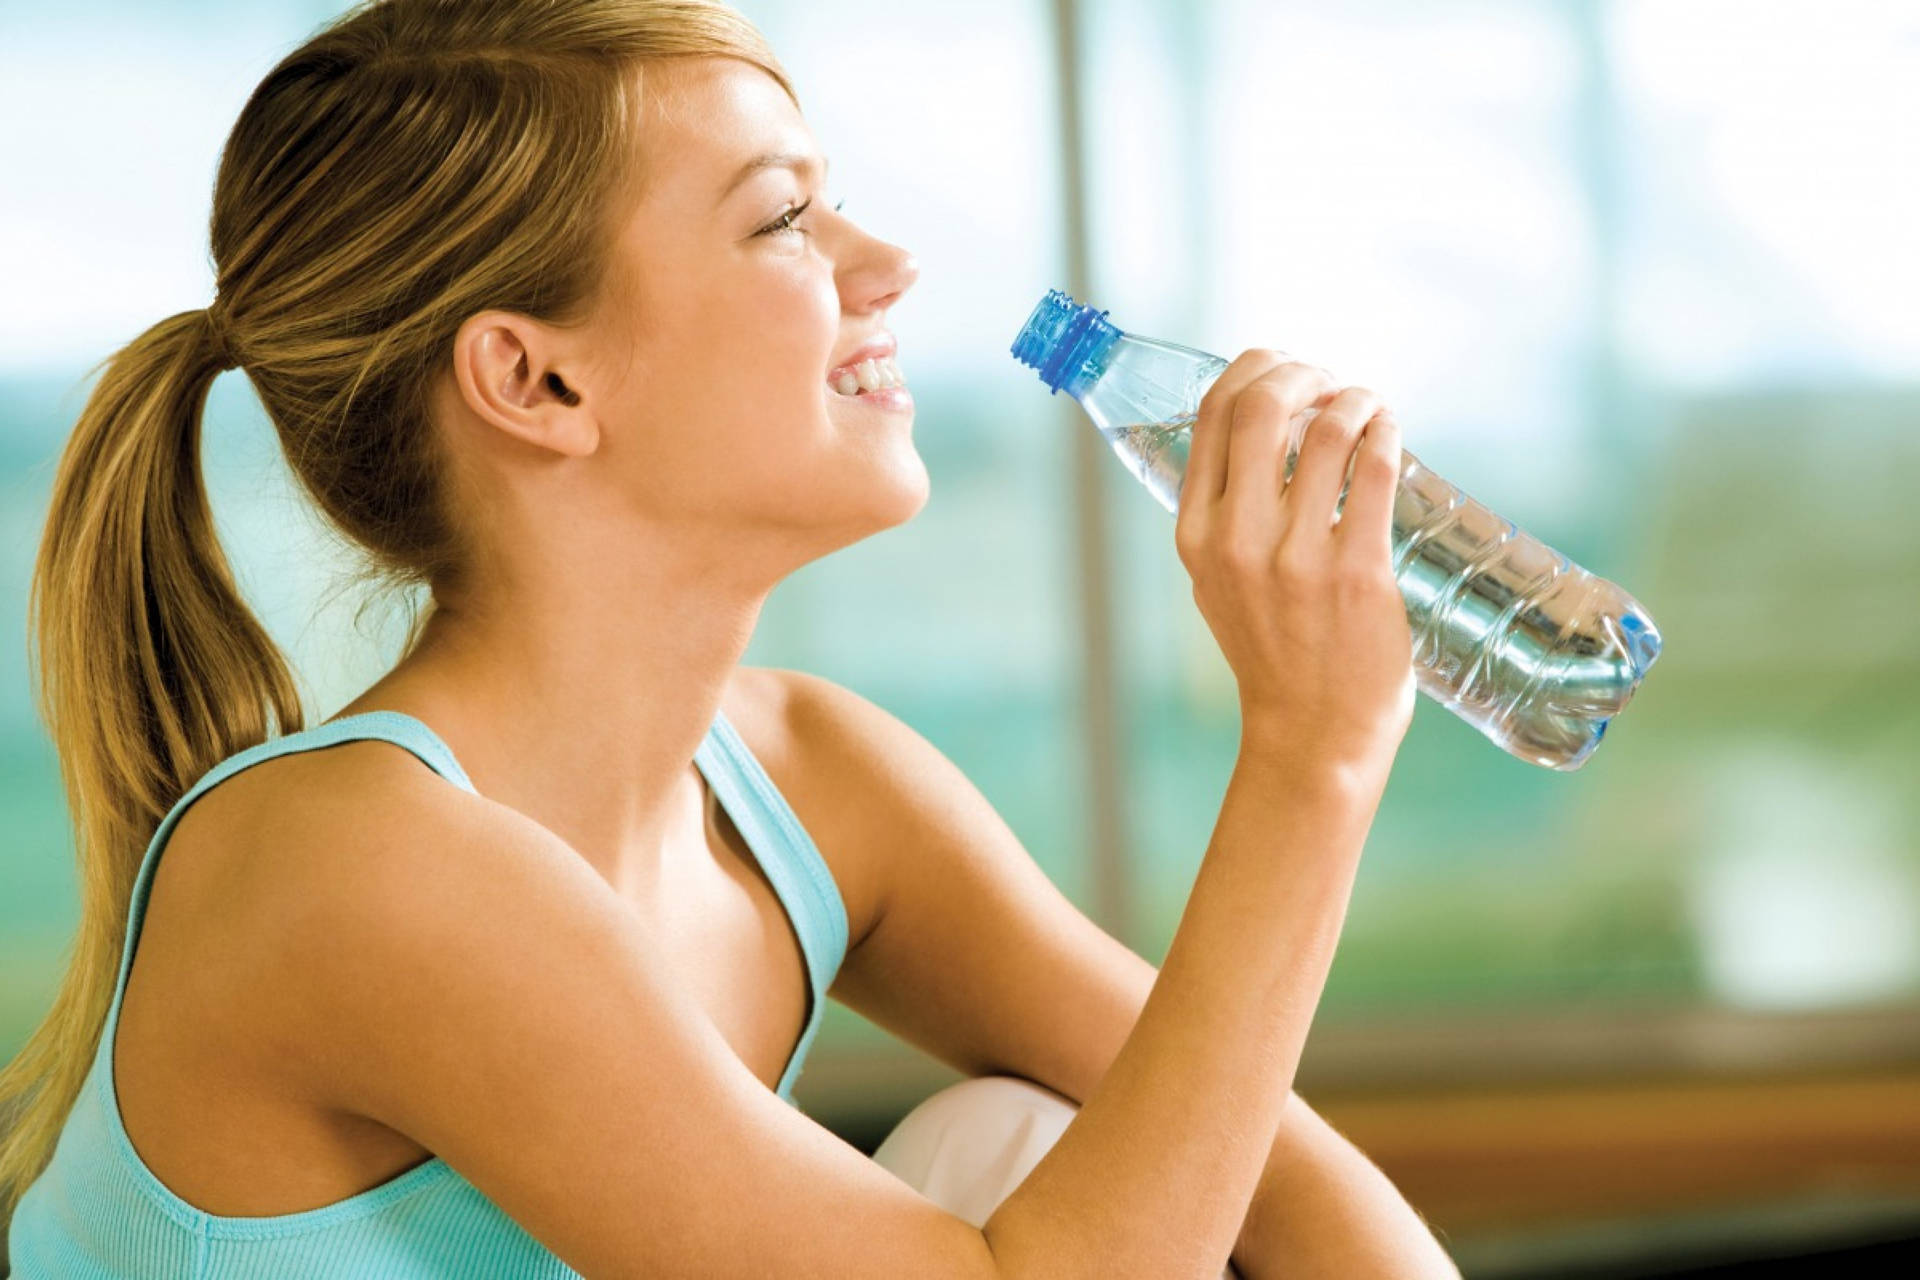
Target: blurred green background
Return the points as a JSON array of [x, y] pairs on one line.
[[1637, 275]]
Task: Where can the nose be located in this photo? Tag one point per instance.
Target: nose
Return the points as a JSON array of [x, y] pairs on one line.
[[877, 276]]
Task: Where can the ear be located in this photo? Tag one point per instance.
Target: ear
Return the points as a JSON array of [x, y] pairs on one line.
[[504, 365]]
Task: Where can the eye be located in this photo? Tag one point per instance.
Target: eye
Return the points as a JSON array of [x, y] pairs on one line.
[[786, 221]]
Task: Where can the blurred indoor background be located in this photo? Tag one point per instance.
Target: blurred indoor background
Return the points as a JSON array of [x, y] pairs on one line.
[[1640, 275]]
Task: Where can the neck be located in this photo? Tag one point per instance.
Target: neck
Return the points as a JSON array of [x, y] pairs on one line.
[[580, 702]]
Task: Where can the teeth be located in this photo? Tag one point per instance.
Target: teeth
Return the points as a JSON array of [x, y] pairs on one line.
[[869, 375]]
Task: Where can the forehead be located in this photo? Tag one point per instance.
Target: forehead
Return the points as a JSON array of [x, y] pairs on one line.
[[702, 118]]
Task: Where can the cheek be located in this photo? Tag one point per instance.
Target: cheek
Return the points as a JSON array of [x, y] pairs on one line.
[[748, 352], [783, 352], [793, 302], [812, 305]]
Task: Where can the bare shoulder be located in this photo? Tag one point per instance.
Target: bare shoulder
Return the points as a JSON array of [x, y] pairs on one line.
[[315, 857], [271, 830], [324, 812]]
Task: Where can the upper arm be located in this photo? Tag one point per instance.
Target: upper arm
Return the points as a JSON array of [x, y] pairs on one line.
[[454, 971]]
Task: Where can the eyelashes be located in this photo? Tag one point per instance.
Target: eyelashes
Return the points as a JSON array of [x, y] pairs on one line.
[[786, 221]]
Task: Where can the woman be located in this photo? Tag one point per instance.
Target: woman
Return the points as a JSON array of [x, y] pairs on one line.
[[495, 972]]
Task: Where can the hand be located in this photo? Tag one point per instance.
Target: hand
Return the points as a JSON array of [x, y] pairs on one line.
[[1305, 609]]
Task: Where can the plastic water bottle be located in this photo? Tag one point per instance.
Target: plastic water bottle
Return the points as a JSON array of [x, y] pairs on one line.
[[1508, 634]]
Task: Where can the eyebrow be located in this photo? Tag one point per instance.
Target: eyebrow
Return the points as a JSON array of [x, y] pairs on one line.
[[772, 160]]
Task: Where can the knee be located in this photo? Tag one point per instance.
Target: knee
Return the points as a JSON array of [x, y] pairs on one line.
[[969, 1145]]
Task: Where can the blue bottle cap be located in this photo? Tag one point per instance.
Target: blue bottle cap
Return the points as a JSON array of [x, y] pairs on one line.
[[1065, 341]]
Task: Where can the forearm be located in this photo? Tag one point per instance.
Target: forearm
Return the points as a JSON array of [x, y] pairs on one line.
[[1323, 1209], [1154, 1180]]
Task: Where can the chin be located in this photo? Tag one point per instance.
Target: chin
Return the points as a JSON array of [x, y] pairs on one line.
[[888, 500], [912, 487]]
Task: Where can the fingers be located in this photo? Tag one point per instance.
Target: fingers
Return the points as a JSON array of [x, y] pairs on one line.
[[1325, 450], [1206, 476], [1249, 510], [1366, 522], [1207, 445]]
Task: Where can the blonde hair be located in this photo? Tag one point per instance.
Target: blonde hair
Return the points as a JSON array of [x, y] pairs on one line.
[[413, 163]]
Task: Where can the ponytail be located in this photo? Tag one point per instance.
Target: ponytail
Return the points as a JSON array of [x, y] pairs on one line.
[[150, 670], [411, 164]]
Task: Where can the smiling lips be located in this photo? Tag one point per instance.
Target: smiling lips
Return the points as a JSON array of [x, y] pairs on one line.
[[868, 367], [869, 375]]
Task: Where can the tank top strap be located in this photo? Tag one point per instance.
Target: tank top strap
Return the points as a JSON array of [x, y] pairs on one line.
[[791, 861], [391, 726]]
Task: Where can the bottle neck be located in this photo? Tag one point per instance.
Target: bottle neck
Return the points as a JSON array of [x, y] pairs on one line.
[[1118, 378], [1084, 356], [1147, 380], [1067, 344]]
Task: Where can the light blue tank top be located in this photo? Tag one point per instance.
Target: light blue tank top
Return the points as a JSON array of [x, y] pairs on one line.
[[98, 1211]]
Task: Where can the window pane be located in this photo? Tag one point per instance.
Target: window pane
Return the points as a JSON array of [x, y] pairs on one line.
[[1628, 292]]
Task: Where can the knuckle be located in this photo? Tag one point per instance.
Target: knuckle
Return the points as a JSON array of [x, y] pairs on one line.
[[1328, 427], [1312, 374], [1349, 407], [1191, 484], [1188, 544], [1258, 402], [1268, 386], [1357, 409], [1362, 580], [1243, 557], [1374, 467], [1298, 566]]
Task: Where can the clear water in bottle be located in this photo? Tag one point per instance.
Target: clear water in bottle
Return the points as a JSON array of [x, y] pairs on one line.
[[1528, 647]]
